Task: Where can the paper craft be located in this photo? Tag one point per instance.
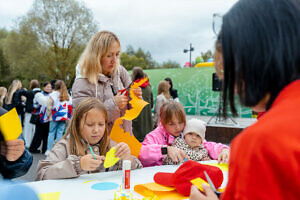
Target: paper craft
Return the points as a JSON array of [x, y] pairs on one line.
[[162, 192], [105, 186], [110, 158], [222, 166], [198, 183], [117, 133], [10, 125], [49, 196]]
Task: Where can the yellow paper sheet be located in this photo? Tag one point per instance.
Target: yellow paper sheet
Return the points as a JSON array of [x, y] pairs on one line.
[[110, 158], [222, 166], [117, 133], [49, 196], [163, 192], [10, 125], [198, 183]]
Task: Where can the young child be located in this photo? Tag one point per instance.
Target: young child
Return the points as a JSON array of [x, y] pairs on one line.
[[158, 143], [71, 156], [192, 142]]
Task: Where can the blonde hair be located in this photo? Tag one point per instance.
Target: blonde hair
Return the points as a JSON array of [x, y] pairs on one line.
[[75, 140], [163, 87], [63, 92], [14, 86], [90, 59], [3, 92], [172, 109]]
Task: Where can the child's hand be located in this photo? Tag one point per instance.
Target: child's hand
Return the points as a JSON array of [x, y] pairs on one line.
[[13, 149], [88, 162], [176, 155], [223, 156], [138, 92], [121, 100], [123, 151]]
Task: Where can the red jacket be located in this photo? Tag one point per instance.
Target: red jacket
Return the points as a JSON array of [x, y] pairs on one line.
[[265, 158]]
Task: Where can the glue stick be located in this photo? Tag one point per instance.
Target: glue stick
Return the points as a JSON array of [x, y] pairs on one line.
[[126, 174]]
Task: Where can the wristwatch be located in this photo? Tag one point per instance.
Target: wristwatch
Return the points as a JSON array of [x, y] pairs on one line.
[[164, 150]]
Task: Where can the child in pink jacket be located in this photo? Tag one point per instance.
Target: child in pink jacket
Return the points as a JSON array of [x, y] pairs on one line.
[[158, 143]]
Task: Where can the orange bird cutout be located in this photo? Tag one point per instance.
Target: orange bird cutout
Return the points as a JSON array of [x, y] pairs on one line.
[[117, 133]]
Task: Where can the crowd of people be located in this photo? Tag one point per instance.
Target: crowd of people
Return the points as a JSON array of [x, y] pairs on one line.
[[257, 59]]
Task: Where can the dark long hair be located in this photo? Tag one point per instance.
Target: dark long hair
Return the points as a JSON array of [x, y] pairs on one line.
[[260, 44]]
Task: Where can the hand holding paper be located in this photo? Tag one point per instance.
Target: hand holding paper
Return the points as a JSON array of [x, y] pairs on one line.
[[12, 149], [110, 158], [88, 163]]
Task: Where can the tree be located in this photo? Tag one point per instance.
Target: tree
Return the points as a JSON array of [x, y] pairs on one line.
[[131, 58], [170, 64], [206, 55], [61, 28], [4, 66]]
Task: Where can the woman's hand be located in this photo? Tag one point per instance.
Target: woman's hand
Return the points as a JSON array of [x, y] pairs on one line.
[[121, 100], [12, 149], [197, 195], [138, 92], [88, 162], [224, 156], [176, 155], [123, 151]]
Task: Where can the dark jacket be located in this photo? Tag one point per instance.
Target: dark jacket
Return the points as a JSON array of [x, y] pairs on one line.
[[29, 99], [143, 124], [16, 102], [16, 168]]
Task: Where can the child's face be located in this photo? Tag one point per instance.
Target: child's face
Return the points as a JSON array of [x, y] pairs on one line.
[[92, 126], [174, 127], [193, 139]]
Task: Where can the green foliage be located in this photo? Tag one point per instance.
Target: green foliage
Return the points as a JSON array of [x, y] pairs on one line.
[[169, 64], [131, 58], [206, 55], [49, 40]]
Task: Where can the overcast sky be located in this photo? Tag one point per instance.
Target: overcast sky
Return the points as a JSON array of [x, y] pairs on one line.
[[163, 27]]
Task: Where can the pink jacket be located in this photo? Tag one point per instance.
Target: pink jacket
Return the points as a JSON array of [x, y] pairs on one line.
[[150, 154]]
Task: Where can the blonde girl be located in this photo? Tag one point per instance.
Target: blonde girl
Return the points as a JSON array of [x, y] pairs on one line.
[[59, 110], [163, 95], [159, 141], [3, 92], [8, 101], [71, 156], [100, 75]]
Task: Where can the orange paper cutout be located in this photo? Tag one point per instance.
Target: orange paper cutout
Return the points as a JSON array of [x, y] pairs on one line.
[[163, 192], [117, 133]]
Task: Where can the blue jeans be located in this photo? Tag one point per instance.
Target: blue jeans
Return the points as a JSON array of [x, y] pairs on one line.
[[56, 131]]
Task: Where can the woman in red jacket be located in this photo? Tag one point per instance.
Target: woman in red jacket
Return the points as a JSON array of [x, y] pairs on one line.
[[260, 45]]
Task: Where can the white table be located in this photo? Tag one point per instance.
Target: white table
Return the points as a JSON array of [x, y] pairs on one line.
[[80, 188]]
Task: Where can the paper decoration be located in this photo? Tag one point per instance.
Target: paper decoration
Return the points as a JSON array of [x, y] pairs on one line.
[[10, 125], [222, 166], [49, 196], [110, 158], [105, 186], [162, 192], [198, 183], [117, 133]]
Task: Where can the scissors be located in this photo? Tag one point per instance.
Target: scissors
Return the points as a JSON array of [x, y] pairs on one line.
[[211, 184]]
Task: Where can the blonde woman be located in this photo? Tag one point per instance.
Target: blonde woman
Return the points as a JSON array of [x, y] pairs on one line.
[[3, 92], [163, 95], [100, 75], [59, 110], [13, 98]]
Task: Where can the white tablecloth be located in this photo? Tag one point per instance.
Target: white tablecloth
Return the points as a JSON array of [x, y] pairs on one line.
[[80, 188]]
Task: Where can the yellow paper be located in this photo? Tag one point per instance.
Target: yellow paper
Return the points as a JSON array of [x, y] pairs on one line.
[[222, 166], [198, 183], [10, 125], [49, 196], [117, 133], [110, 158], [163, 192]]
